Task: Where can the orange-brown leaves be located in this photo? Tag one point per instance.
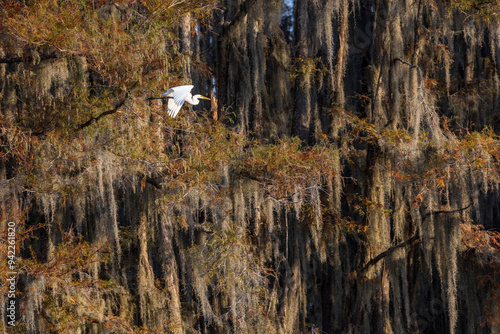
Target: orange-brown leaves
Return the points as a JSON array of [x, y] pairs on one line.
[[485, 245], [475, 237], [287, 165], [487, 10]]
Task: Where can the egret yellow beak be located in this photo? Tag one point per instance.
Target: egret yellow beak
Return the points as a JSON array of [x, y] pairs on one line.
[[203, 97]]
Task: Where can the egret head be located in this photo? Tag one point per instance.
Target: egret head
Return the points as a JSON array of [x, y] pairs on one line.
[[201, 97]]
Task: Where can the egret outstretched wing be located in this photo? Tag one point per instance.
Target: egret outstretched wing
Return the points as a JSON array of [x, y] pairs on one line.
[[176, 97]]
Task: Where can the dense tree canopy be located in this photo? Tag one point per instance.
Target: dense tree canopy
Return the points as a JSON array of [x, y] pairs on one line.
[[346, 179]]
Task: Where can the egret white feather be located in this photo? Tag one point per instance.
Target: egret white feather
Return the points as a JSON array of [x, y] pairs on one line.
[[178, 95]]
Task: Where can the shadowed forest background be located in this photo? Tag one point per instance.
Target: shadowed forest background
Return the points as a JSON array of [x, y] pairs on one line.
[[345, 181]]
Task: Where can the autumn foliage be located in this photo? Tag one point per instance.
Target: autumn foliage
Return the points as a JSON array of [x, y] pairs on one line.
[[129, 221]]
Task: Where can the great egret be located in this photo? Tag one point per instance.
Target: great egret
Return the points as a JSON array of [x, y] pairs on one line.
[[176, 97]]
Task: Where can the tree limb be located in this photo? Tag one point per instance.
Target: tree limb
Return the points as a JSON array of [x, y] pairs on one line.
[[115, 109], [406, 63], [28, 59], [389, 251], [433, 213], [408, 242], [104, 113]]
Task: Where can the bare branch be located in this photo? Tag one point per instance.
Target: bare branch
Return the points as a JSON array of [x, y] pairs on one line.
[[406, 63], [433, 213], [27, 59], [389, 251], [408, 242], [104, 113]]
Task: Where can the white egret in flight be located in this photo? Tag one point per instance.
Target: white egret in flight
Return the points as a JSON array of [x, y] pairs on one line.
[[176, 97]]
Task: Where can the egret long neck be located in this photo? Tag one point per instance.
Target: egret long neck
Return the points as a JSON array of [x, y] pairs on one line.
[[192, 100]]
